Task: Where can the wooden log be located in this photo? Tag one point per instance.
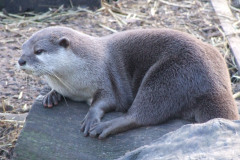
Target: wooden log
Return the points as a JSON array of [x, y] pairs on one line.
[[227, 19], [19, 6]]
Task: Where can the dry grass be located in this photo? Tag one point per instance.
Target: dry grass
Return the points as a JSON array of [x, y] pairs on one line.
[[9, 132]]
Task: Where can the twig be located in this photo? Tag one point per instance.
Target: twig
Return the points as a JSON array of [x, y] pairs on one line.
[[236, 95], [234, 8], [13, 121], [108, 28], [5, 145], [236, 23], [16, 32], [71, 3], [174, 4], [227, 17], [154, 8], [3, 105], [117, 19]]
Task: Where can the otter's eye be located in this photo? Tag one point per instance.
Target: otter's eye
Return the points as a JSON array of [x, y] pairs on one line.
[[37, 52]]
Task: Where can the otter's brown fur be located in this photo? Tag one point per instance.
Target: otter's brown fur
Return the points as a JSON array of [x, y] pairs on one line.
[[153, 75]]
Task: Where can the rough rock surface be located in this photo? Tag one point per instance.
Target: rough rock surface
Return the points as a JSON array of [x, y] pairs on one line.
[[218, 139], [55, 134]]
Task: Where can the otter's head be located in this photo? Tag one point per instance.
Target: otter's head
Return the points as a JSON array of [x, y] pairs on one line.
[[41, 52]]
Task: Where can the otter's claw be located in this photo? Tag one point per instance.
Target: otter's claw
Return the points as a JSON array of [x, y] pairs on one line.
[[51, 99], [101, 130], [90, 120]]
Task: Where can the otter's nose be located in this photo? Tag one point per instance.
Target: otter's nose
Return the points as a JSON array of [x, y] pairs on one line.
[[21, 62]]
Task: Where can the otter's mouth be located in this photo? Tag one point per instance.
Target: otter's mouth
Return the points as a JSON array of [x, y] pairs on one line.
[[28, 70], [32, 72]]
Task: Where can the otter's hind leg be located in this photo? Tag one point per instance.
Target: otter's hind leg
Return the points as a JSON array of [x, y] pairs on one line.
[[216, 106], [52, 98]]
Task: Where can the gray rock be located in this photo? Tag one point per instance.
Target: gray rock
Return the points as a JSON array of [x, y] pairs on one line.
[[54, 134], [218, 139]]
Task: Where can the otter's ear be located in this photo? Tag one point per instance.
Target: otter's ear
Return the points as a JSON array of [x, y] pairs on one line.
[[64, 42]]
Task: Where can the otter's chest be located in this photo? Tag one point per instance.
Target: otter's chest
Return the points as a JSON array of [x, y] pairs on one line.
[[70, 89]]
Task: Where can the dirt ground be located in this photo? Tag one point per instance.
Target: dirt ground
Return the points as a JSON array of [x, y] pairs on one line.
[[18, 90]]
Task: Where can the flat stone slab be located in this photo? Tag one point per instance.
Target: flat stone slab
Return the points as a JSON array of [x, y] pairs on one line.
[[54, 134]]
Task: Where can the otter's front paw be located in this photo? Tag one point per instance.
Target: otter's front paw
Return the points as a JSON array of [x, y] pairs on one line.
[[90, 120], [117, 125], [101, 130], [51, 99]]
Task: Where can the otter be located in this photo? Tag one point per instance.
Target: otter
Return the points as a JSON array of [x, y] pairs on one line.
[[152, 75]]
